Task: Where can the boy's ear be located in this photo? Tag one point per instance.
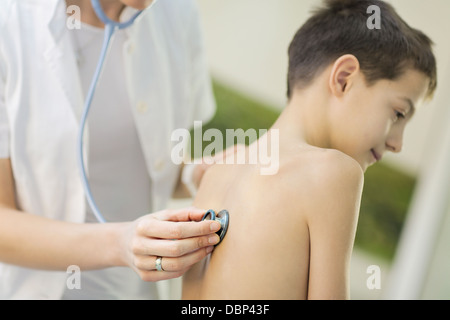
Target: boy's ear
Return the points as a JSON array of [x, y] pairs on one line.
[[343, 74]]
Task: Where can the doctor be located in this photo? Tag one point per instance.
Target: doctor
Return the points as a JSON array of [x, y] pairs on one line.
[[153, 82]]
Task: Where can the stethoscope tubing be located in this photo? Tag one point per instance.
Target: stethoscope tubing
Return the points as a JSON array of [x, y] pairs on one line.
[[110, 27]]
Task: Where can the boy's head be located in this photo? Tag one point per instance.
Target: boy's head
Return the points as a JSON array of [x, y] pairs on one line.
[[368, 79], [340, 27]]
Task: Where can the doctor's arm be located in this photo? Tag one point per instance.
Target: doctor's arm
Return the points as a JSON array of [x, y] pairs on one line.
[[37, 242]]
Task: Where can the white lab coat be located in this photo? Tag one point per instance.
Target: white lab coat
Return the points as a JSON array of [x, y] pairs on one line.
[[41, 103]]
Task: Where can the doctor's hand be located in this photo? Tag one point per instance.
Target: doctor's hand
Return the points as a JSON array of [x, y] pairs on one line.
[[175, 236]]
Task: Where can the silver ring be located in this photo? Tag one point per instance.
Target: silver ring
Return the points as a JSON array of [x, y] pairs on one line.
[[158, 264]]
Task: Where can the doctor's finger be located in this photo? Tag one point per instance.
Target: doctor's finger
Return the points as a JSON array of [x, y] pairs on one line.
[[169, 264], [184, 214], [145, 266], [171, 248], [153, 276], [176, 230]]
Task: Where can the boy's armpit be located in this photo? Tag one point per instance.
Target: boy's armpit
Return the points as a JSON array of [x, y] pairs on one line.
[[332, 215]]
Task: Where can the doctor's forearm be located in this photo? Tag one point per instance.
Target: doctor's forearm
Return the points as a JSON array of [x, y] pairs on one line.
[[36, 242]]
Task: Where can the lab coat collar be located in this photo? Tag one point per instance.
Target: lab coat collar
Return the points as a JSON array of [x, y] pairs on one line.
[[60, 55], [56, 21], [60, 50]]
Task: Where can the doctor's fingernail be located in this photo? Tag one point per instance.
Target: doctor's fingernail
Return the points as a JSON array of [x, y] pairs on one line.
[[215, 226], [214, 239]]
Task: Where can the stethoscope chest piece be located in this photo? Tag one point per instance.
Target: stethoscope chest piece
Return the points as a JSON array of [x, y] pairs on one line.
[[222, 217]]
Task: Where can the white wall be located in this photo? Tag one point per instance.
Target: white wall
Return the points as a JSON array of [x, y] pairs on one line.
[[247, 43]]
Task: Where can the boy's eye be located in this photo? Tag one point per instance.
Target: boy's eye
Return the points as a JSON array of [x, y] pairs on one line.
[[399, 115]]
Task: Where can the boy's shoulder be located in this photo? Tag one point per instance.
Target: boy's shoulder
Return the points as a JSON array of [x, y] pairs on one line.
[[319, 166], [320, 179]]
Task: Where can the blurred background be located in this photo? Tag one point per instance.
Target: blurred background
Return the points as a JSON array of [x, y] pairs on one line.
[[404, 224]]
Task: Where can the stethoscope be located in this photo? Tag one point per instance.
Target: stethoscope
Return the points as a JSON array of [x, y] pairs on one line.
[[222, 217], [110, 28]]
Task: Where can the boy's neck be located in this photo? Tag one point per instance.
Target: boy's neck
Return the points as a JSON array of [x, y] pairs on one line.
[[304, 120]]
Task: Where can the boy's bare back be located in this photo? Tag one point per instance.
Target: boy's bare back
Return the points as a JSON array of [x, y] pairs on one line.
[[351, 92], [266, 253]]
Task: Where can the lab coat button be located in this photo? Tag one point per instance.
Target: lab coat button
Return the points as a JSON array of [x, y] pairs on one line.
[[142, 107], [130, 48]]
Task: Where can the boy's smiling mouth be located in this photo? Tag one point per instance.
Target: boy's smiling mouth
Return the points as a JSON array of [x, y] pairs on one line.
[[376, 155]]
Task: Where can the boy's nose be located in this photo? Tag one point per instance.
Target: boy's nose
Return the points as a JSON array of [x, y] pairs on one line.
[[395, 144], [394, 141], [394, 148]]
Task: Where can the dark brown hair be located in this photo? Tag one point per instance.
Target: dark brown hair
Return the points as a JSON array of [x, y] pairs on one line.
[[340, 27]]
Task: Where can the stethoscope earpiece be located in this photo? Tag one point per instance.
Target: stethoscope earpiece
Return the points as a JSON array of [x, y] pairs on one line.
[[222, 217]]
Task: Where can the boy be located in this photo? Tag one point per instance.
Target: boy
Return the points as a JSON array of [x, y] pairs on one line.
[[351, 91]]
